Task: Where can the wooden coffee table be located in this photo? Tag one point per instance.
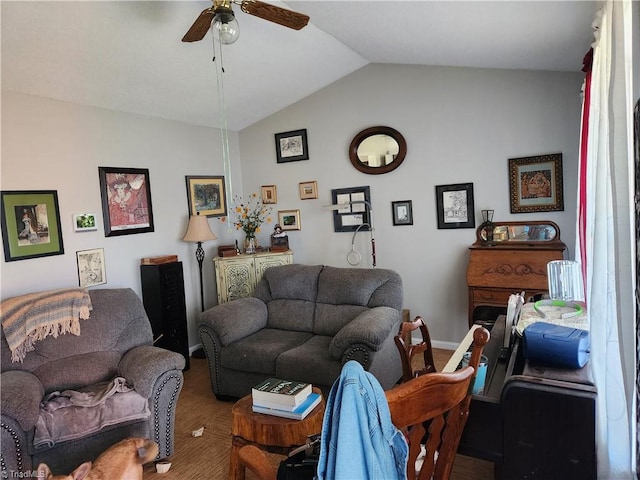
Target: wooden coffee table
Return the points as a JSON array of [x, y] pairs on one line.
[[268, 432]]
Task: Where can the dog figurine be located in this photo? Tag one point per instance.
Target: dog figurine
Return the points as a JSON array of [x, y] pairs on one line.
[[122, 461]]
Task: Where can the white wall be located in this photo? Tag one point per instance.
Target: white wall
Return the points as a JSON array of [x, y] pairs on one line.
[[50, 145], [461, 125]]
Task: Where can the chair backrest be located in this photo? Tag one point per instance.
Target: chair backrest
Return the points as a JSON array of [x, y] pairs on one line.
[[441, 402], [408, 350]]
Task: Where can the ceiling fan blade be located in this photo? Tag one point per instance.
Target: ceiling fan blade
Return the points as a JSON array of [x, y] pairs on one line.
[[200, 27], [282, 16]]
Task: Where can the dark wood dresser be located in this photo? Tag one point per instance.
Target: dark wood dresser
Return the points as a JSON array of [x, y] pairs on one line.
[[515, 260]]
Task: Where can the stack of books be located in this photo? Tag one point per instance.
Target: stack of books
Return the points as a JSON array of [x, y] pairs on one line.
[[284, 398]]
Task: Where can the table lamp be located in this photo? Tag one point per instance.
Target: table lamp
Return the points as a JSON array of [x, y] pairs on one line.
[[199, 231]]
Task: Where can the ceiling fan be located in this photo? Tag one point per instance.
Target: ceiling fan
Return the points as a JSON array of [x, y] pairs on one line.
[[226, 26]]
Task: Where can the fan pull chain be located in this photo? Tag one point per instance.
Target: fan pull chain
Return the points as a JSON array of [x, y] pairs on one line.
[[226, 160]]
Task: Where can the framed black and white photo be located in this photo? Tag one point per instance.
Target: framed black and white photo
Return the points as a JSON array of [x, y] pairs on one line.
[[91, 267], [292, 146], [402, 212], [455, 206]]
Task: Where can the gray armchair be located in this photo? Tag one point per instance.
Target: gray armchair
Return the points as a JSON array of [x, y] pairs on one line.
[[303, 323], [116, 341]]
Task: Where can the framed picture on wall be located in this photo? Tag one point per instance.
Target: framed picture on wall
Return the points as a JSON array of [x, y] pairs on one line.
[[30, 224], [126, 200], [402, 212], [289, 219], [454, 205], [84, 222], [352, 209], [91, 267], [206, 195], [269, 194], [535, 184], [292, 146], [308, 190]]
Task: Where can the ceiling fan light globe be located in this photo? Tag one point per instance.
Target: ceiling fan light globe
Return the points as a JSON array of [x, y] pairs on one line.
[[225, 28]]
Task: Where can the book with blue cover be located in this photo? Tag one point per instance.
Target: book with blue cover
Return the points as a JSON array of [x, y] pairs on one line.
[[299, 413]]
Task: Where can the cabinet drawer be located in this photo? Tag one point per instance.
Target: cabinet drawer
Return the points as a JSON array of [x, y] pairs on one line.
[[513, 269], [483, 296]]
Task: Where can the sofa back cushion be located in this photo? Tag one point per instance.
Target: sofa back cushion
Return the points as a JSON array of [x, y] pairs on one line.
[[117, 323], [290, 293], [343, 293]]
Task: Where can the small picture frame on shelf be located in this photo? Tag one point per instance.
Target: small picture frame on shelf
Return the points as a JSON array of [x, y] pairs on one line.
[[402, 212]]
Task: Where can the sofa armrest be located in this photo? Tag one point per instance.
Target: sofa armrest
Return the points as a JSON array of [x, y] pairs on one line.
[[233, 321], [142, 366], [20, 397], [371, 328]]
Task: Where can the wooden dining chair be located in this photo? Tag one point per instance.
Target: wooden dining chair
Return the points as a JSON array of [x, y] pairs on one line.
[[432, 406], [408, 350]]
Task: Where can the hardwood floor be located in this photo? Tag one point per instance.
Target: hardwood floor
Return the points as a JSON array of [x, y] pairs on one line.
[[207, 457]]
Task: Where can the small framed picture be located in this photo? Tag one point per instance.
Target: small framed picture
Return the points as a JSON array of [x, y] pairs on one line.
[[206, 195], [126, 200], [402, 212], [455, 206], [289, 219], [269, 194], [292, 146], [30, 224], [91, 267], [535, 184], [84, 222], [308, 190]]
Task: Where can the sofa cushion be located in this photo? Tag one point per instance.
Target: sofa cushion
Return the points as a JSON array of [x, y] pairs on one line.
[[330, 319], [292, 282], [358, 286], [295, 315], [310, 362], [78, 370], [258, 352]]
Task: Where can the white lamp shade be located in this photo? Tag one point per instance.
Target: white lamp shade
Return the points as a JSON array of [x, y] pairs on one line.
[[198, 230], [565, 280]]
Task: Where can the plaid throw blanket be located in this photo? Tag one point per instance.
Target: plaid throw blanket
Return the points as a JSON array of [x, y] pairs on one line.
[[32, 317]]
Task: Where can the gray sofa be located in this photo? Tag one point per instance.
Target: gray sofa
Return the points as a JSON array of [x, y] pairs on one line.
[[115, 341], [303, 323]]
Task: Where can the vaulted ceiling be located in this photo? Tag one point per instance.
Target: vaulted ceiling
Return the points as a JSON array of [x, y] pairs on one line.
[[128, 55]]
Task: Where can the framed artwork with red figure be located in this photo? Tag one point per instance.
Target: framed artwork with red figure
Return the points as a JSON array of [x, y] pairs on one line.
[[126, 200]]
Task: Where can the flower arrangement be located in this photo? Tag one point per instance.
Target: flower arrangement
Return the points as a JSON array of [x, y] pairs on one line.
[[251, 214]]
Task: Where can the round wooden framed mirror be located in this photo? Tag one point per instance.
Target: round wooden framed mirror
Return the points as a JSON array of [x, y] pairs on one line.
[[377, 150]]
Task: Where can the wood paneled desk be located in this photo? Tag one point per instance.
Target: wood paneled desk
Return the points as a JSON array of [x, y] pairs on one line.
[[533, 422]]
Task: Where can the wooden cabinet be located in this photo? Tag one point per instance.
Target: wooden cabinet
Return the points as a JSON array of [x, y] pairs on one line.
[[163, 299], [236, 277], [503, 266]]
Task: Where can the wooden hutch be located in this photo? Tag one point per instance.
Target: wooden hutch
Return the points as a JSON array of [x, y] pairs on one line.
[[514, 259]]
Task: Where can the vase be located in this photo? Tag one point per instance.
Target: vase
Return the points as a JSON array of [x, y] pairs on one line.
[[250, 244]]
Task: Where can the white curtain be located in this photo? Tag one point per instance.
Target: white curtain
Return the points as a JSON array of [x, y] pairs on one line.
[[609, 237]]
